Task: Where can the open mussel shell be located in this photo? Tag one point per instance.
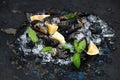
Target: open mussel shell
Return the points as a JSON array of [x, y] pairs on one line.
[[50, 42], [39, 26]]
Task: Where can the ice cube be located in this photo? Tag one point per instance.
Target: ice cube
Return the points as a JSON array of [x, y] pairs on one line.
[[55, 20], [87, 25], [84, 20], [40, 47], [92, 18], [47, 57], [79, 36], [108, 33], [97, 41]]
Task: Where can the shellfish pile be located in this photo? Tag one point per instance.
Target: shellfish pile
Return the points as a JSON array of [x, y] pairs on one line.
[[55, 36]]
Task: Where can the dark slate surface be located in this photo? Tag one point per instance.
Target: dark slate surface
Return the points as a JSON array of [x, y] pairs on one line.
[[12, 15]]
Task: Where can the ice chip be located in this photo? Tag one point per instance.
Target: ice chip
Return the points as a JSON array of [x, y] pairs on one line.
[[87, 25], [47, 57], [108, 33], [55, 20], [92, 18], [40, 47], [97, 39], [79, 36]]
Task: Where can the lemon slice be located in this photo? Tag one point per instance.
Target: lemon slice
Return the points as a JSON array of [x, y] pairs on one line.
[[59, 37], [52, 28], [38, 17], [92, 49]]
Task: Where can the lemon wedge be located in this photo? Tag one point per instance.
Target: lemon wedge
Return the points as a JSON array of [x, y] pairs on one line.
[[38, 17], [52, 28], [92, 49], [59, 37]]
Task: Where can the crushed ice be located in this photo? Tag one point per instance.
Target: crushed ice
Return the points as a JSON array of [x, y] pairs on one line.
[[86, 32]]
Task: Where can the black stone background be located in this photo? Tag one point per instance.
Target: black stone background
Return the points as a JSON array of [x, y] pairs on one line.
[[12, 15]]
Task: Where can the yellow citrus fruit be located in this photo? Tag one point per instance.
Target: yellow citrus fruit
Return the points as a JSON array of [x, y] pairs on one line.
[[52, 28], [59, 37], [38, 17], [92, 49]]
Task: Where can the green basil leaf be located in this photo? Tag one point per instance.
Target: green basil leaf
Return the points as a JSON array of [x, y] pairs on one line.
[[76, 60], [70, 15], [75, 44], [81, 46], [67, 47], [46, 49], [32, 34]]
